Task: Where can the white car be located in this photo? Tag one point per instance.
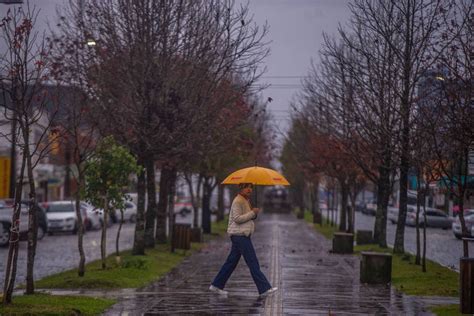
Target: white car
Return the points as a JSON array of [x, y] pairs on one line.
[[62, 217], [456, 226], [94, 216], [6, 213], [129, 213]]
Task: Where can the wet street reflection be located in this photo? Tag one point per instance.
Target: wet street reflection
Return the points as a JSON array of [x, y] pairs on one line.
[[295, 258]]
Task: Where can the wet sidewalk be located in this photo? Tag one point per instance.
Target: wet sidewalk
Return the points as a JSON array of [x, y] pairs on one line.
[[295, 258]]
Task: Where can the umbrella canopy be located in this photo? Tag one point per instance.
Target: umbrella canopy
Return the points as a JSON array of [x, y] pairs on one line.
[[256, 176]]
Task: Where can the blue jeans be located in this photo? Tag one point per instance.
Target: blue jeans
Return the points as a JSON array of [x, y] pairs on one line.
[[242, 246]]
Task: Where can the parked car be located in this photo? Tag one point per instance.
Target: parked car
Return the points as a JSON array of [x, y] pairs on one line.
[[456, 226], [129, 213], [94, 216], [434, 217], [370, 208], [467, 211], [360, 206], [6, 213], [62, 217]]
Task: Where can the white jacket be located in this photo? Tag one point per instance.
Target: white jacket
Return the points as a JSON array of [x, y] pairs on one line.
[[241, 217]]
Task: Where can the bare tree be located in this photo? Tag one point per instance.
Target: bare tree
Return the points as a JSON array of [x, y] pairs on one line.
[[448, 108], [23, 75], [348, 96], [410, 30], [170, 56]]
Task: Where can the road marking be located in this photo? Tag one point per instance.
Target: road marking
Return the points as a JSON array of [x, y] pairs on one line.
[[273, 303]]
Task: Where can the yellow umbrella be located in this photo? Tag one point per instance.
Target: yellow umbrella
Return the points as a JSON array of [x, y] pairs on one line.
[[256, 176]]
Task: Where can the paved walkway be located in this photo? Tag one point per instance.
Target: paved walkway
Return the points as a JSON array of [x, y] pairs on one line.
[[295, 258]]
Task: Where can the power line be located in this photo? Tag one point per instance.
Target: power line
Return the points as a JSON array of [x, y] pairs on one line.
[[283, 77]]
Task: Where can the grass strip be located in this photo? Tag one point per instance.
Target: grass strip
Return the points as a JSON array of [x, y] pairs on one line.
[[447, 310], [44, 304], [407, 277], [130, 272]]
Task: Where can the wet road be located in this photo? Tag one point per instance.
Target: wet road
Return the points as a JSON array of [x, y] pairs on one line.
[[59, 252], [294, 257], [441, 245]]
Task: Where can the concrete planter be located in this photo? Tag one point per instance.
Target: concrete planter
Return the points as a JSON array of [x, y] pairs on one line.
[[375, 268], [343, 243]]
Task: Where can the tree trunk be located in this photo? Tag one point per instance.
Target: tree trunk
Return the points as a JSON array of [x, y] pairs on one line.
[[117, 240], [32, 221], [103, 237], [206, 206], [335, 204], [315, 200], [151, 205], [461, 191], [67, 177], [220, 201], [423, 261], [343, 213], [80, 233], [417, 220], [383, 195], [398, 246], [301, 199], [351, 215], [10, 272], [139, 238], [162, 205], [171, 195], [195, 197]]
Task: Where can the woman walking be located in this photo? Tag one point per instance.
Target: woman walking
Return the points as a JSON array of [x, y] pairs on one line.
[[240, 229]]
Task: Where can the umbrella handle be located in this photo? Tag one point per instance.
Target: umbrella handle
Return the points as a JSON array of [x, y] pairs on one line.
[[256, 197]]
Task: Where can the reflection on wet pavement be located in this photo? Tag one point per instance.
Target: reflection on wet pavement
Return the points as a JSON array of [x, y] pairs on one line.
[[293, 257]]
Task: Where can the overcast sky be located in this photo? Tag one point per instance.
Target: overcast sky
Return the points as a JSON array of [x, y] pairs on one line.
[[296, 28]]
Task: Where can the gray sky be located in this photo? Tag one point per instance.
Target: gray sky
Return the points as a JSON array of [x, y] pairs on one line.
[[296, 28]]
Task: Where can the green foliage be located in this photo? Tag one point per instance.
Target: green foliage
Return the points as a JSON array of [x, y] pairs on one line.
[[133, 272], [44, 304], [107, 174]]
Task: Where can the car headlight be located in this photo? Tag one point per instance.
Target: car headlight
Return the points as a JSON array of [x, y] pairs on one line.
[[70, 219]]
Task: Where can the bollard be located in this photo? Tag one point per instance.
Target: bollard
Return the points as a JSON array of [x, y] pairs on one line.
[[343, 243], [466, 273], [375, 267], [364, 237], [181, 237], [196, 234]]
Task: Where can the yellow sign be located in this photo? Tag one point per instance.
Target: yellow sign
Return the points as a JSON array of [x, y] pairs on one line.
[[4, 177]]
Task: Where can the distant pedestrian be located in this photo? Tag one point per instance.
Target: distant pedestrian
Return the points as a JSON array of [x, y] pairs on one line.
[[240, 229]]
